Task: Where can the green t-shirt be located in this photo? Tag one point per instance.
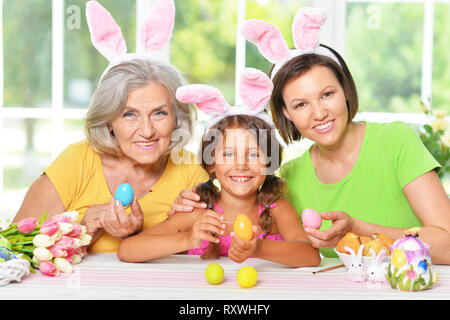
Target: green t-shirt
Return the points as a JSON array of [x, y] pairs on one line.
[[391, 156]]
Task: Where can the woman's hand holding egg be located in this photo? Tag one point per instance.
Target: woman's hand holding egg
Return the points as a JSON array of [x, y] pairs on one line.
[[342, 223], [311, 218], [118, 223], [112, 218]]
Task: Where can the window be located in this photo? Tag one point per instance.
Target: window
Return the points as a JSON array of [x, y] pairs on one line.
[[383, 51]]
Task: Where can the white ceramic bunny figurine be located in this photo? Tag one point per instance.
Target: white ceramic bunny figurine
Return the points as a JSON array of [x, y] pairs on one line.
[[376, 272], [356, 272]]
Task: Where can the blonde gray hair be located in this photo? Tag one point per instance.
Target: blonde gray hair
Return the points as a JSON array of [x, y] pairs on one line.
[[110, 97]]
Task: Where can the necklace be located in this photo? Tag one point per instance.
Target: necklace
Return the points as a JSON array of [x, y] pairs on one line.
[[360, 137]]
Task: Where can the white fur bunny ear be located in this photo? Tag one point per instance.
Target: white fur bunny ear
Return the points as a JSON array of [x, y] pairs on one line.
[[158, 27], [267, 38], [106, 35], [255, 88], [207, 98], [306, 27]]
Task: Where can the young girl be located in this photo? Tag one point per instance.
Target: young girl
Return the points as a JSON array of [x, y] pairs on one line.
[[240, 150]]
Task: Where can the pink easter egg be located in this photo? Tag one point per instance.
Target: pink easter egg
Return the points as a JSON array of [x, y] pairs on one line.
[[311, 218]]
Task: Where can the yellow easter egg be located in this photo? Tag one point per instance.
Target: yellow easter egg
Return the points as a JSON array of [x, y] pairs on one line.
[[214, 273], [247, 277], [243, 227]]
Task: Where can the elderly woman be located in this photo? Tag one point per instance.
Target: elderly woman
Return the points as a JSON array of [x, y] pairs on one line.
[[132, 118]]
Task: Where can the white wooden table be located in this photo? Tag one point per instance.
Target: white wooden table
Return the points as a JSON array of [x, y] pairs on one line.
[[181, 277]]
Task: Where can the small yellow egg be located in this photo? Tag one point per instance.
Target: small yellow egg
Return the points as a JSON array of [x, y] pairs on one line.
[[247, 277], [214, 273]]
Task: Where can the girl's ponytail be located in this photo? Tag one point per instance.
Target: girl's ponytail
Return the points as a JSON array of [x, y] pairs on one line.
[[273, 189]]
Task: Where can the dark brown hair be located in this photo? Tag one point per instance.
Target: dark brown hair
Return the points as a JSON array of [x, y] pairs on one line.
[[273, 187], [297, 67]]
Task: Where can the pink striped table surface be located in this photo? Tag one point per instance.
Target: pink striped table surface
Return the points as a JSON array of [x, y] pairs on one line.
[[103, 276]]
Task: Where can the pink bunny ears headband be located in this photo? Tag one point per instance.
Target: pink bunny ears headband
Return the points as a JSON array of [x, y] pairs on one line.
[[255, 90], [305, 33], [107, 37]]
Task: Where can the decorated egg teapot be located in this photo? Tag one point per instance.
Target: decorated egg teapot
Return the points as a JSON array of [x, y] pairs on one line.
[[410, 266]]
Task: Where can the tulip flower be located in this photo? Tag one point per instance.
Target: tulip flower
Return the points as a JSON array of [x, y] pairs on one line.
[[49, 228], [65, 242], [76, 243], [42, 254], [56, 236], [85, 239], [65, 227], [27, 225], [42, 241], [76, 231], [63, 265], [61, 218], [73, 215], [76, 258], [48, 268], [57, 251]]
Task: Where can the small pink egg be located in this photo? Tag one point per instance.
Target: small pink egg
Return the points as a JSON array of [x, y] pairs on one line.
[[311, 218]]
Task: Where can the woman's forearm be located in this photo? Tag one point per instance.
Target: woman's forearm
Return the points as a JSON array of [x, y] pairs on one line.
[[290, 253], [437, 238]]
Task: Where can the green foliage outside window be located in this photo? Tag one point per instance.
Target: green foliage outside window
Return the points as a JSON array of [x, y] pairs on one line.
[[436, 137]]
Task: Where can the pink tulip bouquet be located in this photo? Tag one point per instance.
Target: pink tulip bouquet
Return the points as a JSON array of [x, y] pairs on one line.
[[51, 246]]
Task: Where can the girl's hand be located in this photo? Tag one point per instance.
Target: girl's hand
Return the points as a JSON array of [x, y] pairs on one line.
[[342, 223], [186, 201], [112, 218], [205, 224], [240, 250]]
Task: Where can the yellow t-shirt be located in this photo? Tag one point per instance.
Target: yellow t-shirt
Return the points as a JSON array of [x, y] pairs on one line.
[[77, 174]]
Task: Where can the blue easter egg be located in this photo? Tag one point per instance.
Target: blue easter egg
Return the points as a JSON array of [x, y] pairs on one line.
[[124, 194]]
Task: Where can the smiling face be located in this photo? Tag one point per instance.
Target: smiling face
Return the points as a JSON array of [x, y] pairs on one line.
[[144, 128], [316, 104], [239, 164]]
